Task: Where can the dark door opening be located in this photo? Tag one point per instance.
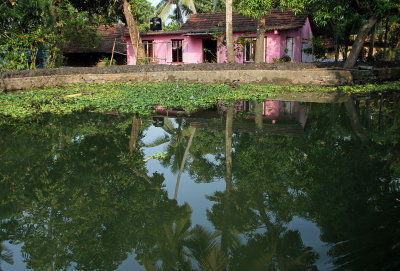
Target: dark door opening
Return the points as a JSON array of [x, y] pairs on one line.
[[209, 51]]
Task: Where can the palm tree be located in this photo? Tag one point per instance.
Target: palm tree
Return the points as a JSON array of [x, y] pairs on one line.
[[164, 8], [229, 32]]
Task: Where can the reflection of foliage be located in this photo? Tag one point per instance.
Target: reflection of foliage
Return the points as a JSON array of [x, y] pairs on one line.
[[74, 194], [274, 250], [82, 193]]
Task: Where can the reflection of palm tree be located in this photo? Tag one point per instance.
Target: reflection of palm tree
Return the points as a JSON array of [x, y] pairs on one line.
[[183, 163], [205, 250], [177, 138], [176, 150], [5, 255], [228, 178], [171, 246]]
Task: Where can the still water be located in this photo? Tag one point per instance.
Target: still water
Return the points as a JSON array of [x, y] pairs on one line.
[[255, 186]]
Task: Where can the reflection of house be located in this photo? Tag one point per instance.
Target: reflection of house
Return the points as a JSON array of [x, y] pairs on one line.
[[275, 112], [279, 118], [199, 40], [86, 56]]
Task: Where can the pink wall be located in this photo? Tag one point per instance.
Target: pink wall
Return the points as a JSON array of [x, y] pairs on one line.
[[193, 46]]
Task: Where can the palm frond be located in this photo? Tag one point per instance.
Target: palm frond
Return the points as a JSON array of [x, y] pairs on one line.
[[164, 10], [158, 141]]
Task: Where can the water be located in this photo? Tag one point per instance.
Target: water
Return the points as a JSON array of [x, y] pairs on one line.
[[290, 186]]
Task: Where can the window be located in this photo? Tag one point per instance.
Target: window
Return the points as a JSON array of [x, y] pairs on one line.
[[177, 51], [250, 50], [148, 49]]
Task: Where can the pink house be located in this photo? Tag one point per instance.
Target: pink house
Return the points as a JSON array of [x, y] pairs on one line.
[[200, 39]]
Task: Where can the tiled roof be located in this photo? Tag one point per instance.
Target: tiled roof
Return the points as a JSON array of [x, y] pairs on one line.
[[277, 19], [211, 22], [109, 34]]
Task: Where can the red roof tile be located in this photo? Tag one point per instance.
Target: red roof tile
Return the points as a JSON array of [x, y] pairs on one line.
[[278, 19], [211, 22]]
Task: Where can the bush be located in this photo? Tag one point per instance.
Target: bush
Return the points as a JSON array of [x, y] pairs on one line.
[[283, 59]]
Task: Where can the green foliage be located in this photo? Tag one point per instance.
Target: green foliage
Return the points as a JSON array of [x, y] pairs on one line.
[[26, 35], [30, 35], [253, 8], [317, 48], [26, 51], [204, 6], [282, 59]]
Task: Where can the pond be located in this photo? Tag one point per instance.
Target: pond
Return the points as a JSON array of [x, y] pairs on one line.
[[255, 186]]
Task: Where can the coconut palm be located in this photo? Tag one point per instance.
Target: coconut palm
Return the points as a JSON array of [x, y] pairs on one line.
[[229, 32], [184, 7]]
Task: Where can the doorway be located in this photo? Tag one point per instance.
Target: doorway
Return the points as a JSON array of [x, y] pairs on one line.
[[210, 51]]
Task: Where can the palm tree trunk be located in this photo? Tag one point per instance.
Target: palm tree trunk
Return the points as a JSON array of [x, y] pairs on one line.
[[178, 180], [260, 44], [178, 9], [193, 7], [229, 32], [133, 33], [359, 42]]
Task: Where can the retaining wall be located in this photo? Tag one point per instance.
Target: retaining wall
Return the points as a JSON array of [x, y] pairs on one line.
[[309, 77]]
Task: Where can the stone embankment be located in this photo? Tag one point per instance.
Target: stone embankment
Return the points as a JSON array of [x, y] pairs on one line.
[[308, 74]]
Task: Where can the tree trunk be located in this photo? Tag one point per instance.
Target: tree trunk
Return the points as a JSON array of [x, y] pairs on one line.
[[355, 121], [359, 42], [136, 122], [178, 9], [258, 108], [193, 7], [260, 44], [183, 163], [134, 33], [229, 33], [59, 58], [385, 43], [372, 44], [336, 40], [228, 180]]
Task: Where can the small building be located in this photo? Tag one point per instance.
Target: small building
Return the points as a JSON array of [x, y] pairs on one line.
[[201, 39], [79, 55]]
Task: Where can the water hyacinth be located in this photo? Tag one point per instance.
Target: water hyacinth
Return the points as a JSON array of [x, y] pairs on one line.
[[144, 98]]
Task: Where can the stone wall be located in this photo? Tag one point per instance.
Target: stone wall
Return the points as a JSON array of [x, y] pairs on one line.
[[308, 77]]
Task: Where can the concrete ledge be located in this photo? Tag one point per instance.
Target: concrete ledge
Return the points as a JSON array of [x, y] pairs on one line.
[[314, 77]]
